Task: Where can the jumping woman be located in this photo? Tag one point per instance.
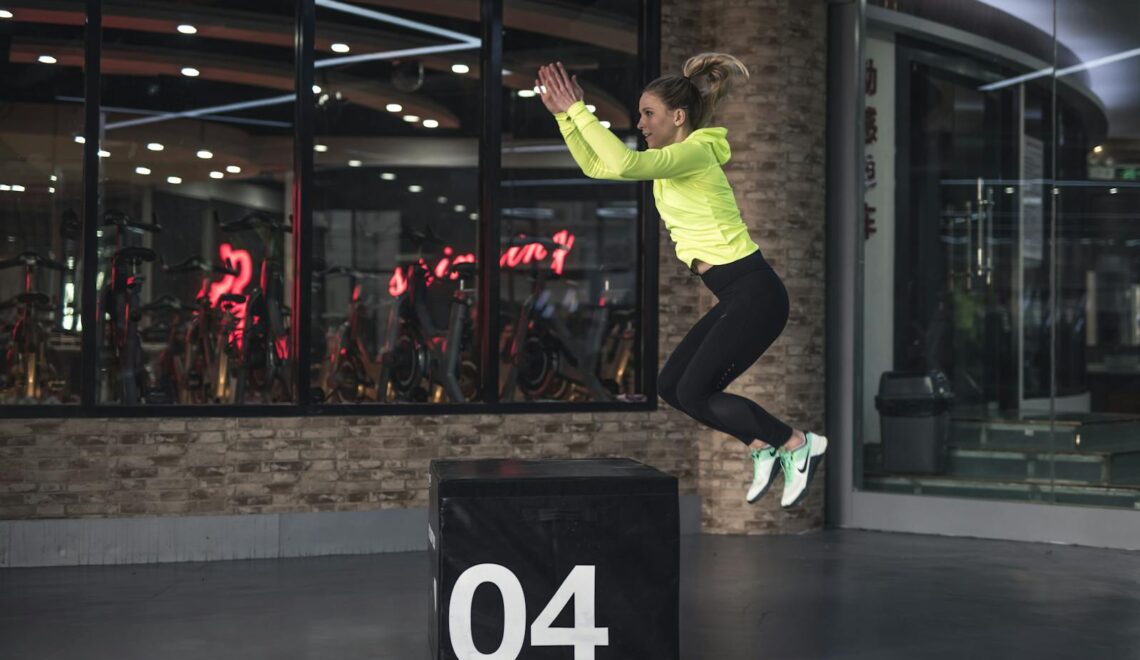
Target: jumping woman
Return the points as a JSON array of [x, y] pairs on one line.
[[696, 202]]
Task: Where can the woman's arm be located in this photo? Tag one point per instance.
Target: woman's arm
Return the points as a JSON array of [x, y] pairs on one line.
[[583, 155], [676, 160]]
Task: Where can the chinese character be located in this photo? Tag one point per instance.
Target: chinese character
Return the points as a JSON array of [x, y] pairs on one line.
[[871, 78], [869, 180], [871, 127], [868, 220]]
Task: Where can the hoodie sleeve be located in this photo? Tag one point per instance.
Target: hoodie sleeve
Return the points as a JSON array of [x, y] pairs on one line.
[[674, 161], [581, 151]]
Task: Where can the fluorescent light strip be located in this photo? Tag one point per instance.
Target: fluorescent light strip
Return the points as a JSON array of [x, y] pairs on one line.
[[232, 107], [140, 111], [1083, 66], [392, 54], [396, 20]]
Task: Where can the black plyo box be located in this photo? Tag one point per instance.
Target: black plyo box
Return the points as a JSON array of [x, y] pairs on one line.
[[513, 534]]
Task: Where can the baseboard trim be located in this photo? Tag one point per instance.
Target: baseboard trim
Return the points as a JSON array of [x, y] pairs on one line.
[[150, 540]]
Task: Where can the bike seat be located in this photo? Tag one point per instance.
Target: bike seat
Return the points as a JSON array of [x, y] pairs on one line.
[[198, 264], [232, 298], [26, 259], [255, 220], [134, 253], [166, 303], [121, 220]]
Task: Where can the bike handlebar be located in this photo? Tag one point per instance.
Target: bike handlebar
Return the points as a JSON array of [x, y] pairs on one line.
[[198, 264], [26, 259], [254, 220], [121, 220]]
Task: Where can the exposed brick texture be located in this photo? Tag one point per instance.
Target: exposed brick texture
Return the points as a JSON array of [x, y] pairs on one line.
[[128, 467]]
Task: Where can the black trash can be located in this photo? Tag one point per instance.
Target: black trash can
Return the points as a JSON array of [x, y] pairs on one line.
[[914, 408]]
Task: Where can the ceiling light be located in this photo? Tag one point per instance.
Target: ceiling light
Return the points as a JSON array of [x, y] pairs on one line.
[[460, 68], [79, 139], [388, 176], [394, 107], [459, 208], [216, 175], [5, 187], [51, 191], [174, 180], [103, 153], [441, 199], [205, 154], [321, 147], [1097, 149], [233, 169], [474, 216], [47, 59], [430, 123], [155, 146], [190, 72], [1113, 191], [54, 178], [414, 188], [604, 123], [591, 107], [354, 163], [340, 48], [1009, 190], [526, 93], [411, 118], [316, 89], [145, 171], [187, 29], [18, 189], [4, 13]]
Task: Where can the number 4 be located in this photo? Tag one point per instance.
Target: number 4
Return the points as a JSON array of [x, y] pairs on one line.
[[583, 636]]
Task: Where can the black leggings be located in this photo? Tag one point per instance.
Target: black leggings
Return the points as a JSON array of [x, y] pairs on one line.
[[751, 311]]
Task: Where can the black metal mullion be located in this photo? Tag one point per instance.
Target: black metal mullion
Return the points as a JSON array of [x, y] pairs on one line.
[[92, 51], [649, 49], [490, 175], [302, 201]]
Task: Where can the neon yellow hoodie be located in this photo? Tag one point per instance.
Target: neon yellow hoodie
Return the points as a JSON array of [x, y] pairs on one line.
[[692, 193]]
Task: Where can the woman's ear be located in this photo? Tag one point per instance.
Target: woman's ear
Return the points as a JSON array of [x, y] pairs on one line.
[[679, 117]]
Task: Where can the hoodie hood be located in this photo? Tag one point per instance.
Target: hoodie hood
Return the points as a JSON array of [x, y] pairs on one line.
[[715, 139]]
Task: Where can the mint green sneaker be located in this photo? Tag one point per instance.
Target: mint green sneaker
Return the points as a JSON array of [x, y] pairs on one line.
[[763, 460], [799, 467]]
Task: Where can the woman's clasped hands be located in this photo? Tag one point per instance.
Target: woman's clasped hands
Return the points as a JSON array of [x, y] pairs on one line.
[[557, 89]]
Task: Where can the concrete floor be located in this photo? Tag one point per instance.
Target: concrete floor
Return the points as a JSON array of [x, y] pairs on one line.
[[834, 594]]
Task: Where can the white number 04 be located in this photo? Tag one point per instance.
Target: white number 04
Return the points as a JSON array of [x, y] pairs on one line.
[[583, 636]]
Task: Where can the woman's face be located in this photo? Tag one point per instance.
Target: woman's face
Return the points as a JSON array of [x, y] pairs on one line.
[[660, 126]]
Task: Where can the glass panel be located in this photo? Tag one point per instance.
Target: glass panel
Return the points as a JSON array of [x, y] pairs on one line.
[[195, 247], [395, 201], [569, 268], [957, 267], [1096, 332], [41, 202]]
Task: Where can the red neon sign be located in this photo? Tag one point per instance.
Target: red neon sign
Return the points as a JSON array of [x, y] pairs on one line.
[[240, 261], [513, 257]]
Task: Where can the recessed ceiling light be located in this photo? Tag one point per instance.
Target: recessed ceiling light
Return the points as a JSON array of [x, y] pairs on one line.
[[430, 123], [190, 72], [187, 29], [526, 93], [414, 188], [145, 171], [51, 191], [340, 48], [4, 13], [591, 107], [233, 169], [1097, 149], [205, 154], [354, 163], [604, 123], [411, 119], [316, 89], [18, 188], [155, 146], [474, 216], [54, 178], [321, 147], [394, 107], [441, 199], [174, 180], [216, 175], [5, 187], [1113, 191], [47, 59], [79, 139], [388, 176], [103, 153], [459, 208], [460, 68]]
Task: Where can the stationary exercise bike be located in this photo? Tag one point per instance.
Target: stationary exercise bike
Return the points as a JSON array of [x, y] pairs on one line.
[[27, 372]]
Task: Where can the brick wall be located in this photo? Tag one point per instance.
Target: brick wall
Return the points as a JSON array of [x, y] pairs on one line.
[[129, 467]]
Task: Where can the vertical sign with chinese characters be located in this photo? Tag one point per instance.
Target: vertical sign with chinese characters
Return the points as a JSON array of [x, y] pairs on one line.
[[878, 224]]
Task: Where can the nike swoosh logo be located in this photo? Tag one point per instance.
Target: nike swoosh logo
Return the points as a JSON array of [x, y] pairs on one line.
[[807, 460]]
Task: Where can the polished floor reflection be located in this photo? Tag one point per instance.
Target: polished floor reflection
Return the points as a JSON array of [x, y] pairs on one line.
[[836, 594]]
